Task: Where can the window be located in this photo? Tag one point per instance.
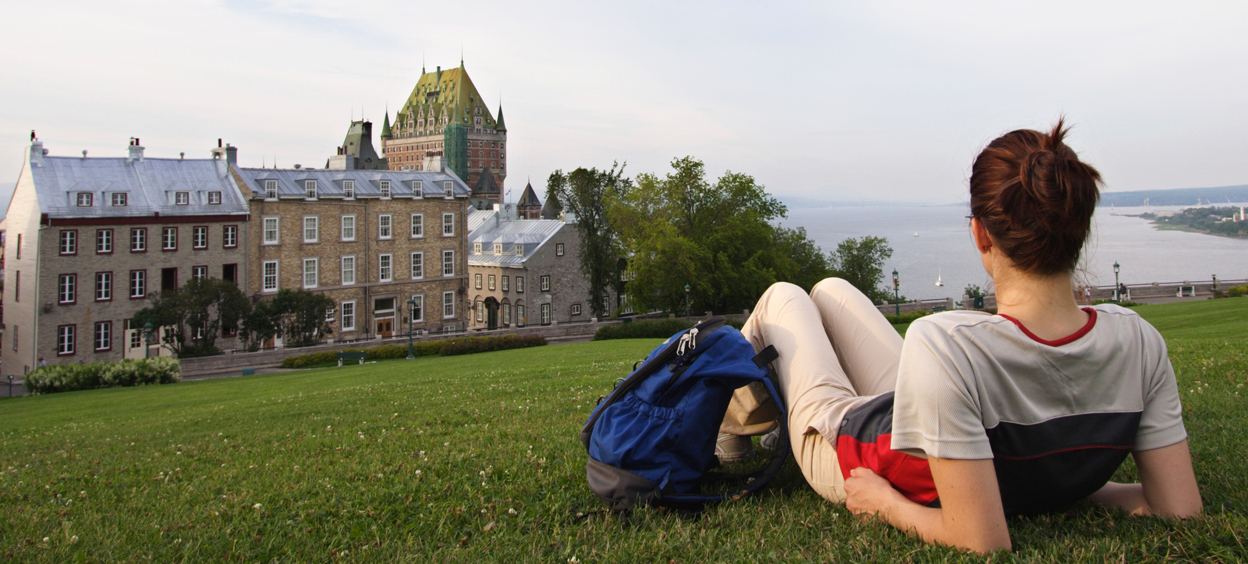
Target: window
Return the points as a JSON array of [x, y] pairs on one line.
[[519, 250], [418, 189], [214, 198], [17, 287], [520, 319], [448, 305], [69, 242], [138, 240], [558, 249], [311, 231], [348, 189], [136, 338], [576, 309], [199, 237], [418, 310], [519, 284], [270, 231], [270, 276], [15, 338], [309, 189], [448, 189], [348, 271], [169, 239], [270, 189], [103, 286], [383, 268], [65, 340], [385, 189], [506, 314], [506, 283], [103, 335], [418, 266], [348, 228], [448, 263], [476, 248], [198, 272], [229, 273], [229, 237], [119, 199], [138, 283], [383, 226], [491, 282], [67, 288], [182, 198], [480, 309], [544, 282], [545, 314], [448, 225], [19, 246], [309, 273], [84, 199], [476, 281], [418, 225], [348, 316], [498, 248], [104, 241]]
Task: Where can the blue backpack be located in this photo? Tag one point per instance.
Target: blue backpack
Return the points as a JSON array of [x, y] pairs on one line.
[[652, 440]]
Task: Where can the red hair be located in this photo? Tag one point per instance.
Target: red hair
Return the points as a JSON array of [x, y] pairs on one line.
[[1035, 198]]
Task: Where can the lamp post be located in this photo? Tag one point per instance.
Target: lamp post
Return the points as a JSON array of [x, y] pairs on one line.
[[1215, 282], [411, 313], [147, 340], [687, 289], [1117, 285], [896, 292], [10, 385]]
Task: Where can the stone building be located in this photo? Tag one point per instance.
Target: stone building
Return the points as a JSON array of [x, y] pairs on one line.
[[90, 239], [529, 207], [524, 272], [368, 239], [445, 116]]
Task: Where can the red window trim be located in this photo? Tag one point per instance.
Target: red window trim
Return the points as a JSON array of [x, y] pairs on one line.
[[145, 284], [1087, 327], [112, 235], [207, 234], [147, 241], [110, 336], [162, 239], [77, 242], [74, 342], [58, 288], [112, 281], [203, 266], [223, 229]]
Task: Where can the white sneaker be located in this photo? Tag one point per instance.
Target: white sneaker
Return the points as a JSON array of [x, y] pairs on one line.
[[770, 441], [731, 448]]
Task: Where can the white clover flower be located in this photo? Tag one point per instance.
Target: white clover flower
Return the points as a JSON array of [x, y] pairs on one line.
[[418, 472], [73, 539], [256, 507], [511, 511]]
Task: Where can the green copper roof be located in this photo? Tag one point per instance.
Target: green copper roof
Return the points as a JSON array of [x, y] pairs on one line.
[[385, 126], [448, 93], [501, 126]]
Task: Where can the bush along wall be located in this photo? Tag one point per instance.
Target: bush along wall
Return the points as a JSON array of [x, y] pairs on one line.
[[129, 372], [651, 329], [445, 347]]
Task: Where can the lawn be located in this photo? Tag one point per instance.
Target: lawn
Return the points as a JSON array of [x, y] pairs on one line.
[[475, 458]]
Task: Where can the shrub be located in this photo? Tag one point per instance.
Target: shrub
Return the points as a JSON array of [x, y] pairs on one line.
[[486, 344], [907, 317], [1237, 291], [425, 348], [129, 372], [652, 329]]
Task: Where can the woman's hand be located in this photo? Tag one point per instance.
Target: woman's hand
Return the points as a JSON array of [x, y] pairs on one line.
[[869, 494]]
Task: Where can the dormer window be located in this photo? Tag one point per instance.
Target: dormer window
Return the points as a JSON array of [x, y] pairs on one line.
[[519, 250], [119, 199], [476, 248], [447, 189], [418, 189], [182, 198], [214, 198], [385, 189], [498, 248], [270, 189], [348, 188], [309, 188], [84, 199]]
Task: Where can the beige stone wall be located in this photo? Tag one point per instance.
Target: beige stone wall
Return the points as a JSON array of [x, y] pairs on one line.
[[21, 239]]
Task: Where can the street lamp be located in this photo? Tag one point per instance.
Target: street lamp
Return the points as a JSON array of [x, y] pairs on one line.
[[1117, 285], [687, 289], [10, 385], [147, 339], [896, 291], [1215, 282], [411, 313]]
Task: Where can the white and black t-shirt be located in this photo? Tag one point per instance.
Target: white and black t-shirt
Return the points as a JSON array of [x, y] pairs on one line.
[[1056, 417]]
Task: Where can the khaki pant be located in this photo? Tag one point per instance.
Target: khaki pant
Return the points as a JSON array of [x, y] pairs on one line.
[[836, 352]]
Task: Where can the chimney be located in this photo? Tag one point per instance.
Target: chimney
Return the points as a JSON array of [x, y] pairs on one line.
[[135, 150], [37, 152], [433, 163], [231, 154]]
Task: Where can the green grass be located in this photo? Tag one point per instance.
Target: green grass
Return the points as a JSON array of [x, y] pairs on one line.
[[426, 460]]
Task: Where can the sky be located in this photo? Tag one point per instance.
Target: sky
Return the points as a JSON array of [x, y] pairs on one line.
[[833, 101]]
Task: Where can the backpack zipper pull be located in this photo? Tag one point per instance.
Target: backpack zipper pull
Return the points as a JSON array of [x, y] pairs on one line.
[[687, 340]]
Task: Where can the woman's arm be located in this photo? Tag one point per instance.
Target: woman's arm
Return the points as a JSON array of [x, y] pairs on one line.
[[1167, 485], [970, 514]]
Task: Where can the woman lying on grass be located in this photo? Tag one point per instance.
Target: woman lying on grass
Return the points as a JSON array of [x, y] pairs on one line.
[[976, 416]]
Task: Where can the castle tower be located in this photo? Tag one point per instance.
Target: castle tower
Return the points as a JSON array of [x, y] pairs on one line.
[[529, 207]]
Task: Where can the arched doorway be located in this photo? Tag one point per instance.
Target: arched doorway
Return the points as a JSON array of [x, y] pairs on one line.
[[491, 312]]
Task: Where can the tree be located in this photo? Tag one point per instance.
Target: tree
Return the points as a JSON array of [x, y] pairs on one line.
[[717, 238], [585, 193], [973, 291], [301, 316], [199, 309], [259, 325], [861, 263]]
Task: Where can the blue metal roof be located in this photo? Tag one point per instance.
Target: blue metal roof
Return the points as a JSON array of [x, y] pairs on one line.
[[291, 183]]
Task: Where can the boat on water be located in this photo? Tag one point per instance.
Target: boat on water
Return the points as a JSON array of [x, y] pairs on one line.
[[938, 280], [916, 233]]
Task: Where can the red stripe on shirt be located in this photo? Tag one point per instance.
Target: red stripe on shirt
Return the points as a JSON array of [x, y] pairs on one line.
[[1064, 340]]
